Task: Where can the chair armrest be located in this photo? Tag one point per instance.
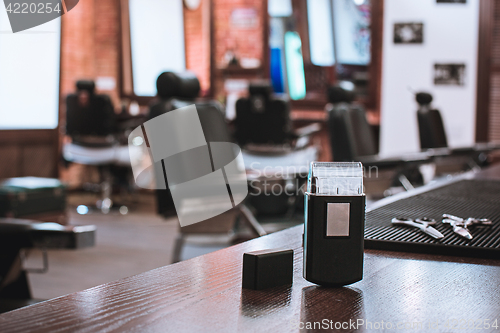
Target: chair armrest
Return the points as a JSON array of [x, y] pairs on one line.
[[32, 234], [396, 161], [307, 130], [377, 161], [269, 150]]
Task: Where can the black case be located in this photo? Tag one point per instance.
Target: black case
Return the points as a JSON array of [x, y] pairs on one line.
[[267, 268], [333, 261], [30, 196]]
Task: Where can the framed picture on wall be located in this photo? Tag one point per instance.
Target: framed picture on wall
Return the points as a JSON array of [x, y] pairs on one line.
[[409, 33], [449, 74], [451, 1]]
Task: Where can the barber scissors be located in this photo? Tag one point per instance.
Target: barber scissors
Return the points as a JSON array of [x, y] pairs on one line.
[[461, 226], [424, 224]]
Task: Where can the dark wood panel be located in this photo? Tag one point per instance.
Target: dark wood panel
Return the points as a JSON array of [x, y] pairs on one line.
[[125, 56], [488, 124], [375, 68], [9, 161], [485, 51], [29, 153], [31, 136], [38, 160], [28, 160], [493, 124], [494, 8]]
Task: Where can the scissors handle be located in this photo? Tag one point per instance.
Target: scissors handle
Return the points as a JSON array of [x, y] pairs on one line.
[[452, 217]]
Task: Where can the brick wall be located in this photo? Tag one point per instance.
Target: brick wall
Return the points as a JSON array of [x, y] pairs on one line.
[[91, 40], [197, 37], [90, 44], [247, 42]]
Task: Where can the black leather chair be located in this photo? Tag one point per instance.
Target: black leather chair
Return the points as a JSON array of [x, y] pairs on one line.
[[433, 138], [91, 124], [264, 119], [352, 139], [263, 128], [90, 118], [351, 136], [430, 124], [179, 90], [174, 88]]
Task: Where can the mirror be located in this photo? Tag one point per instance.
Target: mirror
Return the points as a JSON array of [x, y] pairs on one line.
[[336, 45]]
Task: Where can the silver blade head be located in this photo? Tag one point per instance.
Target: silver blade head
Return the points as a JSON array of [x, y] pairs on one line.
[[432, 232], [462, 232]]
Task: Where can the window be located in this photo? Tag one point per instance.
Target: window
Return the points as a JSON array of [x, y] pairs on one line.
[[339, 30], [157, 41], [351, 21], [279, 8], [29, 75], [320, 32]]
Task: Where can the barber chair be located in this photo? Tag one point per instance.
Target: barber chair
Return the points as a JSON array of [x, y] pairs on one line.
[[175, 90], [278, 155], [430, 124], [262, 118], [91, 125], [352, 139], [18, 236], [90, 118], [433, 139], [263, 121], [351, 136], [180, 90]]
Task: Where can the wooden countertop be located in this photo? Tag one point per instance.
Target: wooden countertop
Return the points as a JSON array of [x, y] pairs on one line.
[[205, 294], [413, 292]]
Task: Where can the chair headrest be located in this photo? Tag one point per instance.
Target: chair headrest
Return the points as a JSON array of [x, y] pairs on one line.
[[87, 85], [423, 98], [262, 88], [337, 94], [181, 85]]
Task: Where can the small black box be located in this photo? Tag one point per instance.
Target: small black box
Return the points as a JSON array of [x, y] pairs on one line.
[[267, 268]]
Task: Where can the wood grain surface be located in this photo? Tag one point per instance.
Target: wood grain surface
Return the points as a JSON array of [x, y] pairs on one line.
[[399, 292], [205, 294]]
